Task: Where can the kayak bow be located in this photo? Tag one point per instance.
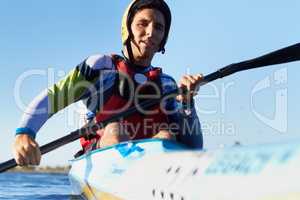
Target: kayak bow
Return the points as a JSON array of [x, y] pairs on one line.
[[161, 169]]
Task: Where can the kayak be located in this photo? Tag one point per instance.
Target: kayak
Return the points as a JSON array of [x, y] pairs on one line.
[[162, 169], [95, 175]]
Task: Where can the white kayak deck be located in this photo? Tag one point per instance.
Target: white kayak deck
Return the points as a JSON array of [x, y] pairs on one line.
[[159, 169]]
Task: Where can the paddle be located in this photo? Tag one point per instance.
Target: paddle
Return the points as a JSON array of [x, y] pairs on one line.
[[288, 54]]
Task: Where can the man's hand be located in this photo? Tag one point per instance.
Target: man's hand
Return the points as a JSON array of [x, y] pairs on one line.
[[164, 134], [113, 133], [189, 84], [26, 150]]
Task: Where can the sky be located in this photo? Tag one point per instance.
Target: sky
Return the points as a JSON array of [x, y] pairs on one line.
[[41, 41]]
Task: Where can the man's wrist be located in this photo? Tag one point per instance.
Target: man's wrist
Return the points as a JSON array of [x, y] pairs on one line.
[[26, 131]]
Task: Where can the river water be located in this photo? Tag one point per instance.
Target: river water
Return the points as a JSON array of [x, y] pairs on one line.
[[33, 186]]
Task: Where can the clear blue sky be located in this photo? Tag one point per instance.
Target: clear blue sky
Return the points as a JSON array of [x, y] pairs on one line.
[[52, 37]]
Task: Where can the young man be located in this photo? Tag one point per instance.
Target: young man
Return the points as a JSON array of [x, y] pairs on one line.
[[109, 84]]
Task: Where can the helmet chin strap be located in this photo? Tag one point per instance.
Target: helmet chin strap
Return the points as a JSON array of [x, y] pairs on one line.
[[130, 58], [129, 51]]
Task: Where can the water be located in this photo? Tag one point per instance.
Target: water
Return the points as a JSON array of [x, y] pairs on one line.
[[34, 186]]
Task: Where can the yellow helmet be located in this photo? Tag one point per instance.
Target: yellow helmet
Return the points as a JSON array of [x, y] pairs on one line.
[[132, 9]]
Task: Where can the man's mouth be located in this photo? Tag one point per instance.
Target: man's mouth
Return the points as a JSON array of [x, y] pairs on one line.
[[148, 43]]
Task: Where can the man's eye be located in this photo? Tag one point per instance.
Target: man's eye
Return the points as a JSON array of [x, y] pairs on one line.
[[142, 24]]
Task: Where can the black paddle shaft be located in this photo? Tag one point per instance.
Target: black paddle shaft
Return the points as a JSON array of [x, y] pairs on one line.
[[285, 55], [85, 130], [44, 149]]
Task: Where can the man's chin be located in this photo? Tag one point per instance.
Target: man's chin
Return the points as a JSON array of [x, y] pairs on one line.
[[146, 54]]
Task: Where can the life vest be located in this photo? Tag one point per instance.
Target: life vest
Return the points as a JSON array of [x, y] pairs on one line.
[[138, 125]]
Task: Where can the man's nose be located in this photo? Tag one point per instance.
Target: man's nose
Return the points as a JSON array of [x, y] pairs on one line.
[[150, 31]]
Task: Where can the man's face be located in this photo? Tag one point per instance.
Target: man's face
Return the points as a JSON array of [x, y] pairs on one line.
[[148, 28]]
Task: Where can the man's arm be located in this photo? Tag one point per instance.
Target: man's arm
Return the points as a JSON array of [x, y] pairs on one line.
[[183, 118], [78, 84], [185, 124]]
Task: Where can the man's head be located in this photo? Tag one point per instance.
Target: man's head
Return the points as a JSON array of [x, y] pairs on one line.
[[146, 23]]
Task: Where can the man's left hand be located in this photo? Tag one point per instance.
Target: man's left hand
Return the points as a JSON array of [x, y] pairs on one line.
[[190, 85]]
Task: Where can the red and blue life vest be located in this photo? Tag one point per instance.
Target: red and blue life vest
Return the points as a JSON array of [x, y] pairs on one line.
[[138, 125]]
